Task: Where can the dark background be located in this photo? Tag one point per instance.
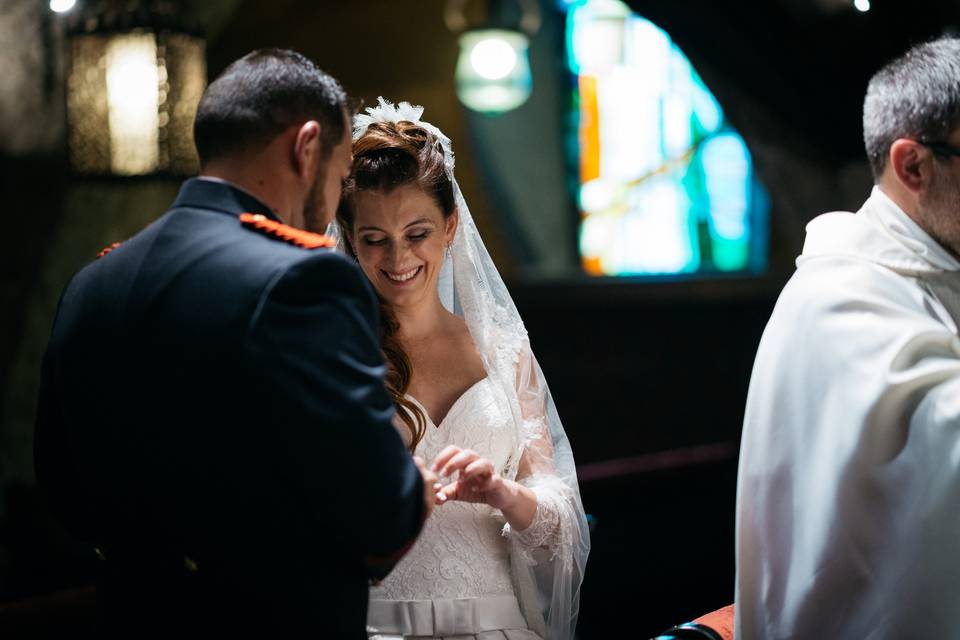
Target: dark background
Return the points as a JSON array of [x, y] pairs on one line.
[[650, 378]]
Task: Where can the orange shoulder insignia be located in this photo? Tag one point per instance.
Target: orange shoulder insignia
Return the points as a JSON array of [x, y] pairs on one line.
[[108, 249], [286, 233]]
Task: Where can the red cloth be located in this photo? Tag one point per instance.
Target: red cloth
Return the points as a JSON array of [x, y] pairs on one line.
[[720, 621]]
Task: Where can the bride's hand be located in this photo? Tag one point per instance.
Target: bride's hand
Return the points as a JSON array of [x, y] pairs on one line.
[[477, 481]]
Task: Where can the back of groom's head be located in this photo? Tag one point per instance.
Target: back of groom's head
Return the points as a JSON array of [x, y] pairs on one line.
[[261, 95]]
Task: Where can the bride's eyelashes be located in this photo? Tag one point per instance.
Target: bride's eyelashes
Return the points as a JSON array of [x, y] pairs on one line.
[[414, 237]]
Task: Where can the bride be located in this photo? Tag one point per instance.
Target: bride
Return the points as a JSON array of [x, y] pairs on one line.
[[503, 554]]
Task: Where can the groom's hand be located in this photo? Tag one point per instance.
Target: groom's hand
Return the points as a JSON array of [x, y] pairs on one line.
[[430, 486]]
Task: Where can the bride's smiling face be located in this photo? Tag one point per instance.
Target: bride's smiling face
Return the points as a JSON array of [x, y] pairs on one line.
[[400, 237]]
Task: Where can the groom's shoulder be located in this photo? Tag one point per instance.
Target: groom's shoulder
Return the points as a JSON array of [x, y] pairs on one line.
[[303, 264], [234, 253], [261, 245], [321, 286], [322, 272], [284, 233]]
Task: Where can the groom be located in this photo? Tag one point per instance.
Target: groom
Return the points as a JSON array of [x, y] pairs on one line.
[[212, 416]]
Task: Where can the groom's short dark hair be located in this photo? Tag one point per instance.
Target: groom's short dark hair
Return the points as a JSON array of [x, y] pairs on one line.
[[262, 94]]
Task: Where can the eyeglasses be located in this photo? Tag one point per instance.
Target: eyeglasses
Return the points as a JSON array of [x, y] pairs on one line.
[[942, 149]]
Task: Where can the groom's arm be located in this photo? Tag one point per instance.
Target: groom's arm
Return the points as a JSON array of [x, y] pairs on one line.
[[315, 338]]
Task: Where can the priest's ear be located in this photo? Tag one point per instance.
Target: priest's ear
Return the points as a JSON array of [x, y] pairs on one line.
[[911, 163]]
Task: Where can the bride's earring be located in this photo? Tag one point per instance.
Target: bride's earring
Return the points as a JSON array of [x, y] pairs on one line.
[[449, 253]]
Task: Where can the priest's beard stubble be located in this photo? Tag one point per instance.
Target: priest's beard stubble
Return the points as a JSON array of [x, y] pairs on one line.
[[939, 208]]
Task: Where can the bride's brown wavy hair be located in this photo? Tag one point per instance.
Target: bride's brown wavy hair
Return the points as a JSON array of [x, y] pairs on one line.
[[389, 155]]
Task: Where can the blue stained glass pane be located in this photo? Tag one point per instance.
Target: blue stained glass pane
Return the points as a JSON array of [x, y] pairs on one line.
[[667, 185]]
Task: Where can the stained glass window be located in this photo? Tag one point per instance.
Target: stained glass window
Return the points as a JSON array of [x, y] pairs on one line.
[[666, 185]]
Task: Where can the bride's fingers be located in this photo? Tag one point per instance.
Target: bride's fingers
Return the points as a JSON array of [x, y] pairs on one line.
[[461, 491], [449, 492], [458, 462], [467, 489], [479, 472], [448, 452]]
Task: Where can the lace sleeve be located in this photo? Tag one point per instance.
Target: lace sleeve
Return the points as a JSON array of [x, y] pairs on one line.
[[546, 531], [548, 535]]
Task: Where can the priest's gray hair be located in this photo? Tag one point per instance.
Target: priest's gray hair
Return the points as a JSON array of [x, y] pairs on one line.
[[915, 96]]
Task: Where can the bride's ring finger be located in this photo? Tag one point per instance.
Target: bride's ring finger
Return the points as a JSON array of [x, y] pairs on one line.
[[458, 462], [480, 470], [444, 457]]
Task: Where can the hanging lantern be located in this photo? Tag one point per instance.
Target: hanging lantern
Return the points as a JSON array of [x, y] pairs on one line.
[[493, 69], [134, 82]]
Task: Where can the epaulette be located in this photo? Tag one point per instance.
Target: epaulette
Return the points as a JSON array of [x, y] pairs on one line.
[[286, 233], [108, 249]]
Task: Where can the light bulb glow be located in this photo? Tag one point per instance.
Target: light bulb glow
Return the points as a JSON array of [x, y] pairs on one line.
[[62, 6], [132, 98], [862, 5], [493, 70], [493, 58]]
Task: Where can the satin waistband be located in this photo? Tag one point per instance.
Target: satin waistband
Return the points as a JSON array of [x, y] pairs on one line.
[[444, 617]]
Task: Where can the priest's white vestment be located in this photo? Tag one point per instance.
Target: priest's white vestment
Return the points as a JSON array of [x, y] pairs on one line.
[[848, 497]]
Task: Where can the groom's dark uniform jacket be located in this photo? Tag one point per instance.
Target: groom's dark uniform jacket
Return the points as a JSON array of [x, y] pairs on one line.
[[212, 419]]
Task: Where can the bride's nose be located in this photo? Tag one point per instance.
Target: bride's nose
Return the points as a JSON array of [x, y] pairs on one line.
[[397, 252]]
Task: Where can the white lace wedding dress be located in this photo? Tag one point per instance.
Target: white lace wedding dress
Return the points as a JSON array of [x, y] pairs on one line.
[[469, 576], [455, 583]]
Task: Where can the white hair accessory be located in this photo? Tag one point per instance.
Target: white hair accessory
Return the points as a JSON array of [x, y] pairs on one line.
[[403, 112]]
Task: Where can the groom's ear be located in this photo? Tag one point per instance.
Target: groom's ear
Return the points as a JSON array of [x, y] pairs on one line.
[[306, 150]]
